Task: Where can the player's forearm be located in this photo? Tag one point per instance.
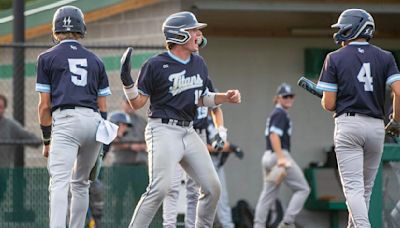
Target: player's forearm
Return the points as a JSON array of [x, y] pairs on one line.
[[276, 145], [218, 117], [328, 101], [396, 100], [102, 103], [138, 102], [44, 113], [138, 147]]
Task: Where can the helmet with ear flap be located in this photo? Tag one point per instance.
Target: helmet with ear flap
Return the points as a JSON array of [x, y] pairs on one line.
[[352, 24], [176, 25]]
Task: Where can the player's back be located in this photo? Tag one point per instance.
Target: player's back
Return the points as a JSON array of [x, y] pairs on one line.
[[76, 75], [362, 71]]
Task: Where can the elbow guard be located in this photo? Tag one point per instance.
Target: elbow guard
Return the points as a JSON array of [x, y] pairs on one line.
[[131, 92], [209, 100]]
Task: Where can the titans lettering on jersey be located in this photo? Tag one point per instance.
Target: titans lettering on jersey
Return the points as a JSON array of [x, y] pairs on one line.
[[174, 86], [73, 76], [201, 122], [280, 124], [359, 73]]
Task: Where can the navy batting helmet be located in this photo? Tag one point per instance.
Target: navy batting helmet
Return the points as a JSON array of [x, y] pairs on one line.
[[352, 24], [176, 25], [69, 19], [120, 117]]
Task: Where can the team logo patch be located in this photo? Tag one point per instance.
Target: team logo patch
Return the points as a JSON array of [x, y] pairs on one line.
[[181, 83], [67, 23]]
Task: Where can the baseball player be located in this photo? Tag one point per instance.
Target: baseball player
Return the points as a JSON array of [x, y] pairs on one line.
[[73, 86], [170, 202], [278, 133], [353, 80], [170, 212], [175, 81]]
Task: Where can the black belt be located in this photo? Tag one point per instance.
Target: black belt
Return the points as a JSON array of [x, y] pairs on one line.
[[200, 130], [182, 123], [65, 107], [350, 113]]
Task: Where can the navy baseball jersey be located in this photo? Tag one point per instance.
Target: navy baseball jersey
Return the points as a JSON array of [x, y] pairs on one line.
[[279, 123], [201, 122], [73, 75], [174, 86], [359, 73]]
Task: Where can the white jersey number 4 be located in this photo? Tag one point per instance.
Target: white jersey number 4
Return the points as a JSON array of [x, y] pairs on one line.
[[364, 76], [76, 68]]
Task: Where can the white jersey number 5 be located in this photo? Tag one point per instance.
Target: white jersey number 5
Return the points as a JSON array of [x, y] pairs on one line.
[[365, 77], [75, 67]]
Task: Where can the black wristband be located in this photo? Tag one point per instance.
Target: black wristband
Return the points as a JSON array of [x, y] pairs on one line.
[[103, 115], [46, 134]]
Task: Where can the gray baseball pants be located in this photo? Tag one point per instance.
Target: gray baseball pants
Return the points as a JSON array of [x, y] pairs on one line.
[[170, 206], [224, 211], [358, 145], [73, 153], [167, 146], [295, 180]]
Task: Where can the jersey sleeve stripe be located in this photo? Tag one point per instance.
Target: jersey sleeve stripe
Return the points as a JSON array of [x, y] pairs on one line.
[[327, 86], [276, 130], [393, 78], [104, 92], [143, 93], [43, 88]]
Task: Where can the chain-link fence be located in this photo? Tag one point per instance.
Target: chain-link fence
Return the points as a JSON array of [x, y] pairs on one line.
[[109, 54], [24, 191]]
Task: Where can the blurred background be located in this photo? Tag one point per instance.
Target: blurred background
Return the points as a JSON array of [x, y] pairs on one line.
[[253, 45]]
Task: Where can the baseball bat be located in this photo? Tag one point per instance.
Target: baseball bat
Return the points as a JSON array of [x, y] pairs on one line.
[[309, 86]]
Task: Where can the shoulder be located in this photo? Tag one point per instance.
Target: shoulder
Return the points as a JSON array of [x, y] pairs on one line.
[[333, 55], [155, 61], [382, 51], [48, 53], [198, 59], [278, 113], [96, 58]]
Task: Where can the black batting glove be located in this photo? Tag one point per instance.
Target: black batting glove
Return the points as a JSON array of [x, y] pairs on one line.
[[217, 143], [126, 77], [238, 152]]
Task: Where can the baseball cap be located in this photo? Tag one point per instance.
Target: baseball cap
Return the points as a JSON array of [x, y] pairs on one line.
[[284, 89]]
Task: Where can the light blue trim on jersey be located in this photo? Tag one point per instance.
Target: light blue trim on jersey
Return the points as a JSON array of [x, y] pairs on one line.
[[392, 78], [327, 86], [45, 88], [358, 43], [143, 93], [276, 130], [104, 92], [177, 58], [65, 41]]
